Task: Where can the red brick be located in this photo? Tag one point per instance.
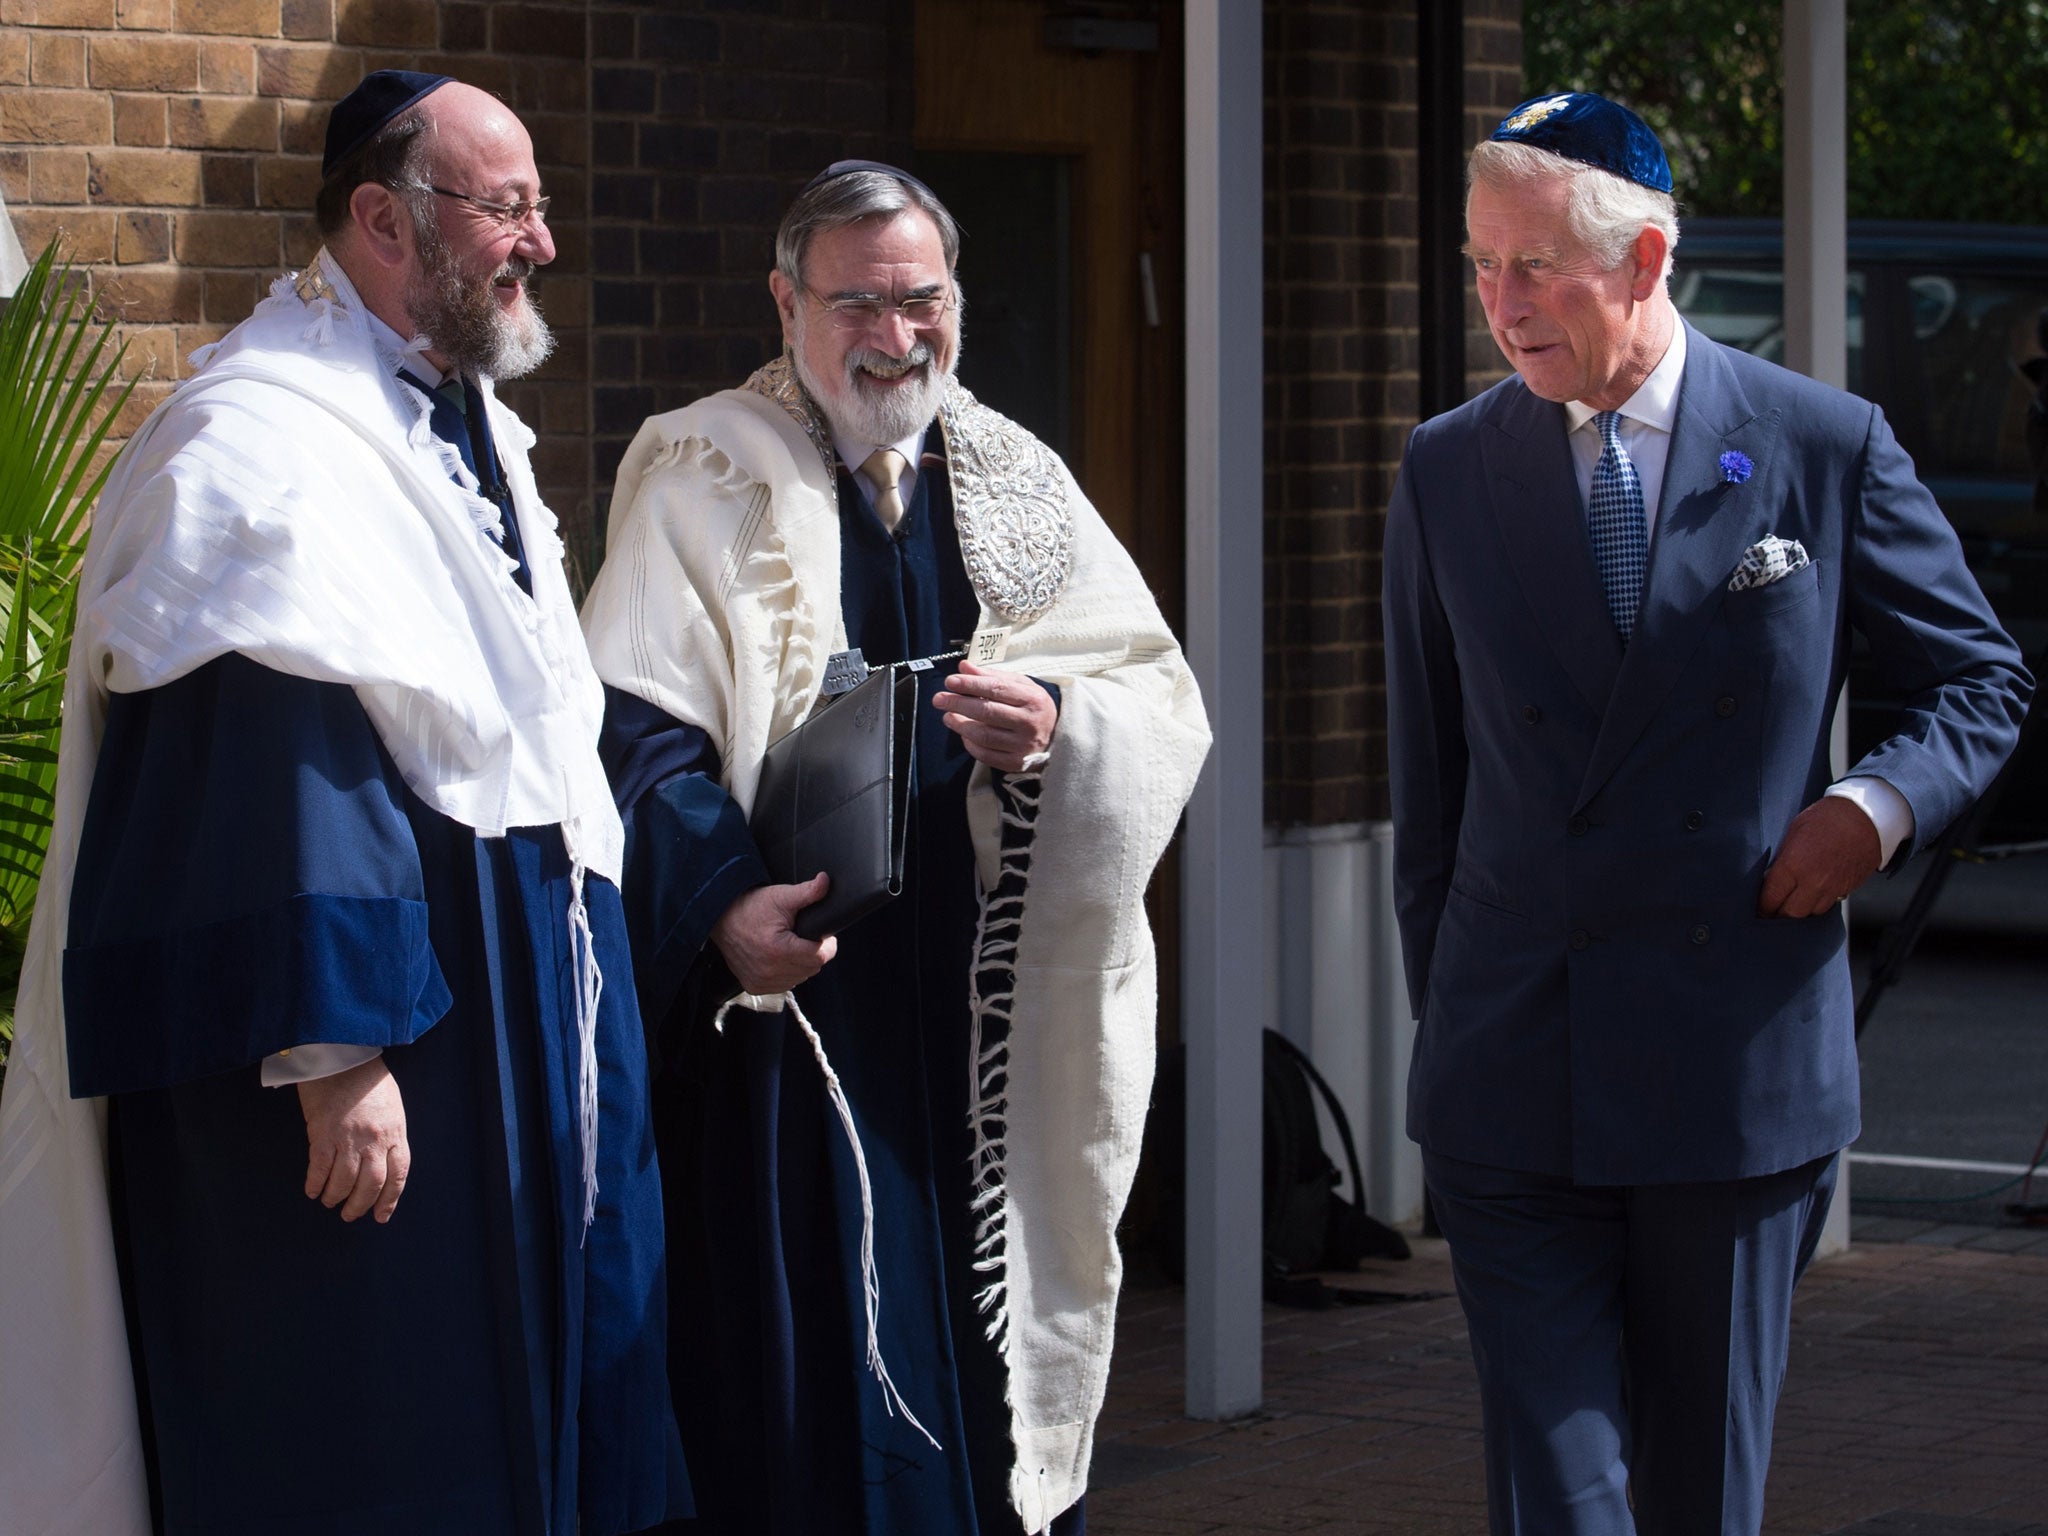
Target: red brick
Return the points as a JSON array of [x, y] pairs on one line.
[[143, 63], [287, 181], [142, 237], [230, 296], [14, 175], [236, 18], [145, 176], [14, 58], [552, 31], [559, 139], [229, 181], [227, 69], [59, 59], [77, 118], [57, 13], [144, 297], [88, 234], [152, 351], [227, 240], [387, 23], [223, 122], [302, 127], [146, 397], [144, 15], [318, 73], [307, 21], [301, 240], [139, 122], [57, 176], [190, 338]]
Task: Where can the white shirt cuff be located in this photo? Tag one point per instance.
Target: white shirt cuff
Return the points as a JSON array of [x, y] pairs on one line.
[[303, 1063], [1889, 811]]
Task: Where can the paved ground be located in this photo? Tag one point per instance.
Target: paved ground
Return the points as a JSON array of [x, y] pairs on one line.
[[1916, 1405], [1917, 1400]]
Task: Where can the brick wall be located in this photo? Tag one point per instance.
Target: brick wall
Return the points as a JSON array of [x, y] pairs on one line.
[[176, 145], [1341, 369], [177, 142], [706, 119]]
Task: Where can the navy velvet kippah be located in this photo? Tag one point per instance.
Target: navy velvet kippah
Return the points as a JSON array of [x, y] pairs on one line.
[[1593, 130], [356, 118], [839, 168]]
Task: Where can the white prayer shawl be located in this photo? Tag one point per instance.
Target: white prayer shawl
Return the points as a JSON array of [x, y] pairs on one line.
[[719, 604], [288, 502]]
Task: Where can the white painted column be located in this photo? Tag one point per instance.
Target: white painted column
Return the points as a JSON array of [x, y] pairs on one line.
[[1817, 277], [13, 261], [1222, 935], [1816, 190]]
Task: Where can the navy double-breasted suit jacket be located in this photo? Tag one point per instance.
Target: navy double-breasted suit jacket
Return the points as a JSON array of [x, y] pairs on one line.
[[1582, 830]]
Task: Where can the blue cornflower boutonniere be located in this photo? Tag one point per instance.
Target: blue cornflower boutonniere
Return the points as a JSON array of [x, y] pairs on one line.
[[1735, 467]]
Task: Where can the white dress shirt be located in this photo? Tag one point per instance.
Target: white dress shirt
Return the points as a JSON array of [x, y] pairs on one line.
[[853, 454], [1647, 419]]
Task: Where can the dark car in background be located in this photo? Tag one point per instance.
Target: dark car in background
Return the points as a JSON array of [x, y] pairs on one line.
[[1941, 318]]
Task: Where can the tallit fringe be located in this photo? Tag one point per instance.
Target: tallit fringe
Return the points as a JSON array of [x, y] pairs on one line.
[[589, 989], [998, 929], [870, 1281]]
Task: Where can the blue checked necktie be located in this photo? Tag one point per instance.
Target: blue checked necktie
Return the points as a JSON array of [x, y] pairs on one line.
[[1619, 530]]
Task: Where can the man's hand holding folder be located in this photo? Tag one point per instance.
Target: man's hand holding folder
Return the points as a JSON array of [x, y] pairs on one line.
[[757, 936]]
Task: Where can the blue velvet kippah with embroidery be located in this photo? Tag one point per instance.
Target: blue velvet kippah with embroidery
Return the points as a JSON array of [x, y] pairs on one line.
[[1591, 129]]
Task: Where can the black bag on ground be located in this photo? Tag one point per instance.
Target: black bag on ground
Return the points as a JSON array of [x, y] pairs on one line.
[[1307, 1225]]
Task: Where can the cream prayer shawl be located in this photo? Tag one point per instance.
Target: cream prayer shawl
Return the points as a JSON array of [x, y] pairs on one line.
[[288, 502], [719, 604]]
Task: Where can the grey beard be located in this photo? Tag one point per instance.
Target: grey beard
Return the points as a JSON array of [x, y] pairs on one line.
[[463, 319], [873, 417]]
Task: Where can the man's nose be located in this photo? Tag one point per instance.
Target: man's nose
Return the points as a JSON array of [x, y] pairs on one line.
[[1510, 304], [892, 332], [536, 242]]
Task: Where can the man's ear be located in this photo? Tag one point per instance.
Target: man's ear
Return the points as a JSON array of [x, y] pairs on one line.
[[786, 297], [383, 224], [1647, 255]]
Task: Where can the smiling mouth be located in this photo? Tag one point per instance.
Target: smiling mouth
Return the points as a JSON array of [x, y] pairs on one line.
[[889, 373]]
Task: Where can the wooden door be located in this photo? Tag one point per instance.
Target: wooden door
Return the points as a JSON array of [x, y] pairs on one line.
[[1065, 169]]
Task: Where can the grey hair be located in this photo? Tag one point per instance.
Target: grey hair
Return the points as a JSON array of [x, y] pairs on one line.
[[1603, 211], [848, 199], [395, 157]]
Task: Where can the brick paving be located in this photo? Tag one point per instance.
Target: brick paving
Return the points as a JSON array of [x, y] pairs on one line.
[[1916, 1405]]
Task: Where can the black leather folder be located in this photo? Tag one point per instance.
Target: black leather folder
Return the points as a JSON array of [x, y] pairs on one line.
[[835, 796]]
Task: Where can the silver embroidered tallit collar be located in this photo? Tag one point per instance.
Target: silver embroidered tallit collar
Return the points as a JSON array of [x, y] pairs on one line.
[[1009, 493]]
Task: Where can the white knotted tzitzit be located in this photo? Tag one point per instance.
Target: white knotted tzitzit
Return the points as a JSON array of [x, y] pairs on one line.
[[870, 1280], [589, 989], [1618, 525]]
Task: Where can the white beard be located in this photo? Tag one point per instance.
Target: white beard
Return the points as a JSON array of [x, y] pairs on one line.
[[864, 413]]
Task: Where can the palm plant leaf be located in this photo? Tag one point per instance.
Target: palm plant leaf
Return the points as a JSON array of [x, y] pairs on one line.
[[60, 392]]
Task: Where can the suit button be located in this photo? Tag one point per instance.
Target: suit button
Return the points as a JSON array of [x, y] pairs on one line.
[[1531, 713], [1577, 826], [1580, 938], [1725, 705], [1694, 821], [1701, 933]]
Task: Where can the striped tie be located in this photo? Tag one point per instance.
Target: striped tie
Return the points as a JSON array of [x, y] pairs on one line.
[[1617, 525]]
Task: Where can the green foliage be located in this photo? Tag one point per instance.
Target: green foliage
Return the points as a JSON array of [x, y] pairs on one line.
[[60, 390], [1948, 99]]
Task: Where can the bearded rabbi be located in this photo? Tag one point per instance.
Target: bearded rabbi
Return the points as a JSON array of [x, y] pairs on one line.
[[989, 1031]]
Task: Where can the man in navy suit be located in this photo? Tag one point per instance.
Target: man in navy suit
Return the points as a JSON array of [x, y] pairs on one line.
[[1619, 593]]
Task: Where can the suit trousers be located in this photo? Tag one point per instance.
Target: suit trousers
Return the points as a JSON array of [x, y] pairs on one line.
[[1630, 1341]]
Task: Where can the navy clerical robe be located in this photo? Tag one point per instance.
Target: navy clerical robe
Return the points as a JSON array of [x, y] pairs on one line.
[[255, 875], [788, 1433]]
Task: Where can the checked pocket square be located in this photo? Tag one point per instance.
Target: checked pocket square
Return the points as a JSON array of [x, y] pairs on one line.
[[1766, 561]]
